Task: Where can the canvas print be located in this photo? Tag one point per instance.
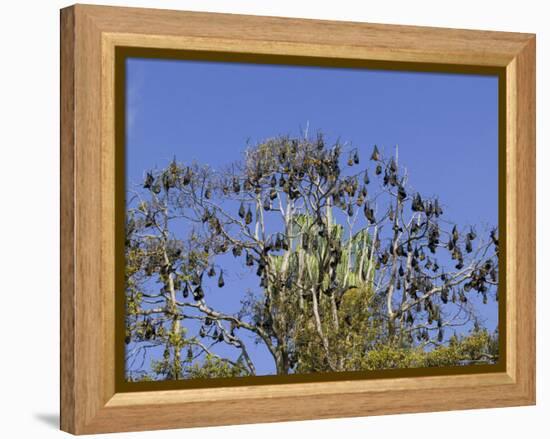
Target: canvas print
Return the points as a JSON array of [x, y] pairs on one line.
[[285, 220]]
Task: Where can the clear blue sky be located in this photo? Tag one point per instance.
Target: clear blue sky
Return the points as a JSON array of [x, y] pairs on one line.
[[446, 126]]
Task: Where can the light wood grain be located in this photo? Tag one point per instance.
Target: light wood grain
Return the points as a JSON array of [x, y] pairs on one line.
[[67, 253], [375, 41], [107, 215], [512, 213], [306, 389], [90, 34], [523, 253]]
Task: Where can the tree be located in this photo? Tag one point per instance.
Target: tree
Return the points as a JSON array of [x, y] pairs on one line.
[[352, 275]]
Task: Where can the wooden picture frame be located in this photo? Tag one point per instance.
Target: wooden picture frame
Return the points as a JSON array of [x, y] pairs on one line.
[[91, 402]]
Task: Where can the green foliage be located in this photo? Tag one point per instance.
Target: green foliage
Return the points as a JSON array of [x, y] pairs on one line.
[[478, 347], [215, 367], [471, 349], [332, 297]]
